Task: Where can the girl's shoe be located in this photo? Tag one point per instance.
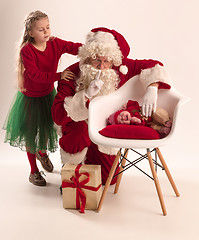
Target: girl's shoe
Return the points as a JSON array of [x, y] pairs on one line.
[[45, 162], [37, 179]]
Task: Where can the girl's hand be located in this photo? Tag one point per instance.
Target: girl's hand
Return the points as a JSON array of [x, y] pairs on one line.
[[67, 75]]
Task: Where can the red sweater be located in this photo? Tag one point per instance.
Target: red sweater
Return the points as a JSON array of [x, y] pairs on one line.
[[41, 66]]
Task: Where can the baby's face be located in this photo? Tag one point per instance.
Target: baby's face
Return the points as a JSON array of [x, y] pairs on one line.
[[124, 118]]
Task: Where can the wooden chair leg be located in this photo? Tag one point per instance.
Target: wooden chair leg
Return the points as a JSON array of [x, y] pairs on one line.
[[108, 181], [157, 184], [119, 177], [167, 172]]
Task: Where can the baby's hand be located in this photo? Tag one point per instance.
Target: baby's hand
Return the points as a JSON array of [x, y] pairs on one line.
[[67, 75], [135, 120], [124, 118]]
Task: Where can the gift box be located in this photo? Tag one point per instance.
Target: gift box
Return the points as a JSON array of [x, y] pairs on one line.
[[81, 186]]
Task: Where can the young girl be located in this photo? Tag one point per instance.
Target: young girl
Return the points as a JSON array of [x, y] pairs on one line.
[[29, 124]]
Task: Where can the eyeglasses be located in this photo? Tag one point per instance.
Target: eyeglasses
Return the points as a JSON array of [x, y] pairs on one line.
[[98, 62]]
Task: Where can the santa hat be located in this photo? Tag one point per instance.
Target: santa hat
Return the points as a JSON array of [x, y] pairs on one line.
[[112, 119], [108, 43]]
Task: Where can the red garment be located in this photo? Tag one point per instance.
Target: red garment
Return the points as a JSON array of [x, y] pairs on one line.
[[134, 109], [66, 89], [41, 66], [33, 163], [75, 134]]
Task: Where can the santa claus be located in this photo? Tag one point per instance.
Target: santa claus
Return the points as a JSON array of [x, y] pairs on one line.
[[102, 69]]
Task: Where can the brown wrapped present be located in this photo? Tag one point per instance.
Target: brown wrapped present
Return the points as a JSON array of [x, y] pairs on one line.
[[81, 186]]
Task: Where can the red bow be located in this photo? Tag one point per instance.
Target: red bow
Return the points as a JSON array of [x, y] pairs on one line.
[[80, 196]]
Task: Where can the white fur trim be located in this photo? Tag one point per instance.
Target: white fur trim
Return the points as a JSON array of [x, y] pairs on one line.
[[123, 69], [75, 158], [108, 150], [58, 129], [154, 74], [75, 107]]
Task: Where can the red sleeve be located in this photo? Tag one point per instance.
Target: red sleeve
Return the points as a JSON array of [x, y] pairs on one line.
[[67, 46], [64, 89], [59, 114], [163, 85], [32, 71], [145, 64], [75, 68], [136, 66]]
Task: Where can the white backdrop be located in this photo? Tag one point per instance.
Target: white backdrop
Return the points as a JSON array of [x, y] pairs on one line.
[[157, 29]]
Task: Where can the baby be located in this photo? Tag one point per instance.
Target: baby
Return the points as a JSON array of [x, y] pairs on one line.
[[131, 114]]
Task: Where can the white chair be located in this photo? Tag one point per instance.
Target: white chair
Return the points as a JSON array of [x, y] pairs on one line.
[[99, 110]]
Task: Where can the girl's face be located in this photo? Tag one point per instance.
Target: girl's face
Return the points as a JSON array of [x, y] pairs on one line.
[[40, 31]]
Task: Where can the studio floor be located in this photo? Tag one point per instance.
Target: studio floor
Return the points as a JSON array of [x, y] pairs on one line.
[[30, 212]]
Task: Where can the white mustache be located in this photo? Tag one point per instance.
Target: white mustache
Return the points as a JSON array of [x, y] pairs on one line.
[[89, 73]]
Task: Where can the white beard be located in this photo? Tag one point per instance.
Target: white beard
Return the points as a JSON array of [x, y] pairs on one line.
[[88, 74]]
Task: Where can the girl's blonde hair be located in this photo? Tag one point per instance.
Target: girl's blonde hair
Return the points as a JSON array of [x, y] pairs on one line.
[[28, 24]]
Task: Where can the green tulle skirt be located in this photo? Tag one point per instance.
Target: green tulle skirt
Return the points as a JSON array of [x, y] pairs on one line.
[[29, 124]]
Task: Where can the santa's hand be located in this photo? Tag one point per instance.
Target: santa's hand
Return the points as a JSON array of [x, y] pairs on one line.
[[149, 101], [94, 87]]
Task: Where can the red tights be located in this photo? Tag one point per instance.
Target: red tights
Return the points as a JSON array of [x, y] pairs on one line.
[[32, 161]]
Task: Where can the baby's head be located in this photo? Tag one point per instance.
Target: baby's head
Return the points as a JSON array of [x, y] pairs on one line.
[[124, 117]]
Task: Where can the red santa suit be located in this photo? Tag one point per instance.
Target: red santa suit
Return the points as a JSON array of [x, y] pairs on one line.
[[70, 110]]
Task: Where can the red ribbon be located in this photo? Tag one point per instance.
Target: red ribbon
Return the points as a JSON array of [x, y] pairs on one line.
[[75, 183]]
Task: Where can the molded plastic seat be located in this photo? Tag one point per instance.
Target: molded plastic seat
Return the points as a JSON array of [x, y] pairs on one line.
[[101, 107]]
